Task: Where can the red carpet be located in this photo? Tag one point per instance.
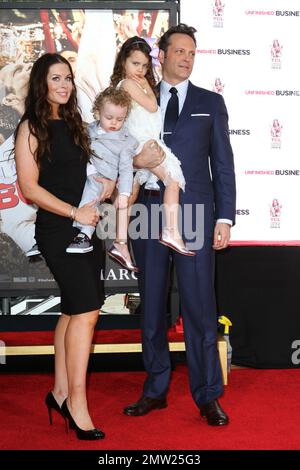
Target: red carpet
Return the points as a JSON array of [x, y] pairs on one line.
[[263, 406]]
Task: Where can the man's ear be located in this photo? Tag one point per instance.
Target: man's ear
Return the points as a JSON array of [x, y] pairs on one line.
[[161, 56]]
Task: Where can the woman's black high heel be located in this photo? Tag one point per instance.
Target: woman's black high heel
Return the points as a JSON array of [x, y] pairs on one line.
[[52, 404], [91, 435]]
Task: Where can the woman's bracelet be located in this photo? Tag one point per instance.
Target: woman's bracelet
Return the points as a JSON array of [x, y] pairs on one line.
[[73, 212]]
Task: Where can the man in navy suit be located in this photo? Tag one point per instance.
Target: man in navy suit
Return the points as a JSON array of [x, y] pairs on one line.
[[201, 141]]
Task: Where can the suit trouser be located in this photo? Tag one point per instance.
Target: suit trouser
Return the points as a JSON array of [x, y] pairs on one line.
[[92, 190], [196, 288]]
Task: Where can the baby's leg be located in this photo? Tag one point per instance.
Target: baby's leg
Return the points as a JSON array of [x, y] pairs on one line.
[[82, 241], [92, 190]]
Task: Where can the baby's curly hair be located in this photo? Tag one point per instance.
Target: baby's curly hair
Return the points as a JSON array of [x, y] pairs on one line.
[[113, 95]]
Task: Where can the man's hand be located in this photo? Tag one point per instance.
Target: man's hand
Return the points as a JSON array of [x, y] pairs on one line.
[[108, 187], [221, 236], [150, 156]]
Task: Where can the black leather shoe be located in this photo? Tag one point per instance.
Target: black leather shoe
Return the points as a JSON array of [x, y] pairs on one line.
[[214, 414], [144, 405]]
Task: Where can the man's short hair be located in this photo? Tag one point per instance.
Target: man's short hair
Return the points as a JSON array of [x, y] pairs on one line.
[[181, 28]]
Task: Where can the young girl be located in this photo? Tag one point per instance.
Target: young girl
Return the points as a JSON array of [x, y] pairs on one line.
[[133, 72]]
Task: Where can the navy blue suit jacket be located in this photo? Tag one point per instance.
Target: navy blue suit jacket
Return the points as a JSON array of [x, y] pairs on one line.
[[201, 142]]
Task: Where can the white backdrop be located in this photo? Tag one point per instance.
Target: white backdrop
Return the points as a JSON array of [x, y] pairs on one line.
[[248, 50]]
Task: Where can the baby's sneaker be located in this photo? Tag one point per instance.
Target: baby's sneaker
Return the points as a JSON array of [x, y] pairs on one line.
[[33, 251], [80, 244]]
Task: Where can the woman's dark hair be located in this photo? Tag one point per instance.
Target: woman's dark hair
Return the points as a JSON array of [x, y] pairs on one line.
[[38, 110], [181, 28], [132, 44]]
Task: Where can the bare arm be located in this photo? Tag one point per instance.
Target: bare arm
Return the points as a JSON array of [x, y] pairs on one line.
[[135, 86], [28, 176]]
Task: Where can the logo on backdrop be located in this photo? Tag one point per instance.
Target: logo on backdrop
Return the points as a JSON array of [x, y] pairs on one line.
[[273, 92], [287, 13], [207, 51], [278, 172], [276, 51], [218, 86], [275, 214], [273, 12], [242, 211], [276, 134], [234, 51], [218, 14], [239, 131]]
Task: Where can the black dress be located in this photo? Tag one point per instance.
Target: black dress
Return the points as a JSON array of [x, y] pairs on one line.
[[77, 275]]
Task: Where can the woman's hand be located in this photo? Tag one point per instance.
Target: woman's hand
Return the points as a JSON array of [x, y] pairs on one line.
[[108, 187], [87, 214]]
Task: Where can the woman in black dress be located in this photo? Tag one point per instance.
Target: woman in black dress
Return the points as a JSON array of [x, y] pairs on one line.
[[52, 150]]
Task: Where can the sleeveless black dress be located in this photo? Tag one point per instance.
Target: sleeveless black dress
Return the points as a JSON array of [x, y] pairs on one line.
[[77, 275]]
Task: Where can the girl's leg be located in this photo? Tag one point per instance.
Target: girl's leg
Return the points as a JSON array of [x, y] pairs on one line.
[[60, 390], [78, 340], [134, 195], [171, 231], [119, 249], [122, 228], [171, 203]]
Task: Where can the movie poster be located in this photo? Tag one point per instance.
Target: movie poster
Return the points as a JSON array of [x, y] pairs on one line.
[[89, 40]]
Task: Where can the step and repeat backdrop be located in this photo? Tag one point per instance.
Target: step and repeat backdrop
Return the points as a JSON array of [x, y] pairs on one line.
[[248, 51]]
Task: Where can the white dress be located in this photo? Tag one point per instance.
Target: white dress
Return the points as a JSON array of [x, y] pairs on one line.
[[144, 125]]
